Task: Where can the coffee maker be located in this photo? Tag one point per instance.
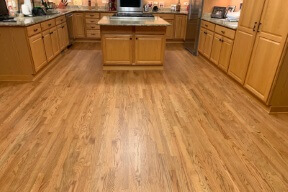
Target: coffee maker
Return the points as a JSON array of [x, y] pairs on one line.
[[112, 5]]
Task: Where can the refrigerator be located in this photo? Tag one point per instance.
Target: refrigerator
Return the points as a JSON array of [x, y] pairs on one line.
[[193, 25]]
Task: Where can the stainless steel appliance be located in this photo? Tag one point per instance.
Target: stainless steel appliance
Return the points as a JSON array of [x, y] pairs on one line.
[[129, 6], [193, 25], [69, 20]]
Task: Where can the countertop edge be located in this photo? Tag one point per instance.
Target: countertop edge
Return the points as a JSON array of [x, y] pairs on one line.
[[218, 23]]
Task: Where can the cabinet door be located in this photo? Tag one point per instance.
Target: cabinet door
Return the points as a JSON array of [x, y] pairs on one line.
[[38, 51], [78, 25], [170, 30], [202, 38], [241, 54], [216, 49], [263, 66], [65, 35], [250, 15], [117, 49], [225, 55], [208, 43], [180, 26], [55, 41], [48, 45], [60, 37], [149, 49], [245, 38]]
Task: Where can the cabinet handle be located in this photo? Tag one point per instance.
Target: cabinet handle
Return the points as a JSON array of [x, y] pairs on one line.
[[205, 32], [49, 24], [62, 27], [206, 25], [259, 27], [223, 32], [255, 25], [35, 30], [136, 38], [220, 40], [51, 33]]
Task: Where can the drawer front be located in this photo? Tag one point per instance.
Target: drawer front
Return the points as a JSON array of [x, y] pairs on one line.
[[48, 24], [165, 16], [93, 34], [106, 14], [208, 25], [92, 26], [34, 29], [92, 15], [60, 20], [92, 21], [225, 31]]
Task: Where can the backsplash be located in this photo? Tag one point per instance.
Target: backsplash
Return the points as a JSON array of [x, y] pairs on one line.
[[208, 4]]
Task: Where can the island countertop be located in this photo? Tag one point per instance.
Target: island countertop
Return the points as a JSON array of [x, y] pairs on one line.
[[142, 21]]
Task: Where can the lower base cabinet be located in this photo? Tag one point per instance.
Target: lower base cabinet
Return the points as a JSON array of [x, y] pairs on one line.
[[38, 51], [149, 49], [205, 42], [117, 49]]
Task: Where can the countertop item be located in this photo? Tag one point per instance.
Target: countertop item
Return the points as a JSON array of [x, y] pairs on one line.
[[128, 21], [222, 22]]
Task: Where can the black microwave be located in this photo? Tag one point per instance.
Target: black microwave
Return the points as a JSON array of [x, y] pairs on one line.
[[128, 6]]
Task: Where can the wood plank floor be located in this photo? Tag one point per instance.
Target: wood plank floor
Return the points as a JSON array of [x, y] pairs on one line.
[[188, 128]]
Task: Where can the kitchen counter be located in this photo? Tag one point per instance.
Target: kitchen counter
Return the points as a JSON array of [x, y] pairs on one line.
[[222, 22], [141, 21], [27, 21]]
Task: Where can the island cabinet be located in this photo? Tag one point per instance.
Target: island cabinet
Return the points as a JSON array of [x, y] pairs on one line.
[[180, 26], [38, 51], [133, 46]]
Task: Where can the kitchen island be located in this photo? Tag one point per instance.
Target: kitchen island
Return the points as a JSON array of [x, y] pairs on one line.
[[133, 43]]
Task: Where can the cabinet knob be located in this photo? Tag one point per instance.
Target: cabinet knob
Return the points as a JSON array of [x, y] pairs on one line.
[[49, 24], [130, 38], [255, 24], [259, 27], [206, 25], [136, 38], [35, 30], [223, 32]]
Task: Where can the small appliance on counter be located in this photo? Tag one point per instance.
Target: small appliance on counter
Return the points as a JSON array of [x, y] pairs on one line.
[[218, 12], [4, 13]]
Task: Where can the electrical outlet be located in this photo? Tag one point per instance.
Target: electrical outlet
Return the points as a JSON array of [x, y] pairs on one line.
[[185, 3]]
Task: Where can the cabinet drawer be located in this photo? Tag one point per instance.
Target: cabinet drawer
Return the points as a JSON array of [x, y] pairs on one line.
[[92, 21], [34, 29], [92, 26], [92, 15], [60, 20], [150, 30], [225, 31], [165, 16], [93, 34], [106, 14], [48, 24], [208, 25]]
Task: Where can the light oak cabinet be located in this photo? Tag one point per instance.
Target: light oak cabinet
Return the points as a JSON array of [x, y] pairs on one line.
[[221, 51], [78, 25], [268, 48], [117, 49], [63, 36], [38, 51], [48, 45], [180, 26], [55, 41], [245, 38], [149, 49], [205, 42], [170, 30]]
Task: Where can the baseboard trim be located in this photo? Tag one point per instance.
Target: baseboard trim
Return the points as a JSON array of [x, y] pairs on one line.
[[278, 109], [133, 68]]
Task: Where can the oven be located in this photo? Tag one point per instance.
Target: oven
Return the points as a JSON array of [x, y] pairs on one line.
[[129, 6]]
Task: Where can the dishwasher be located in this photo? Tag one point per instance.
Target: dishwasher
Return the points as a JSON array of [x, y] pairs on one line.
[[69, 20]]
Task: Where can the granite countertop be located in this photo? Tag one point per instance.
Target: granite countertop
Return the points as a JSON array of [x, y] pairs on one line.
[[222, 22], [27, 21], [156, 21]]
